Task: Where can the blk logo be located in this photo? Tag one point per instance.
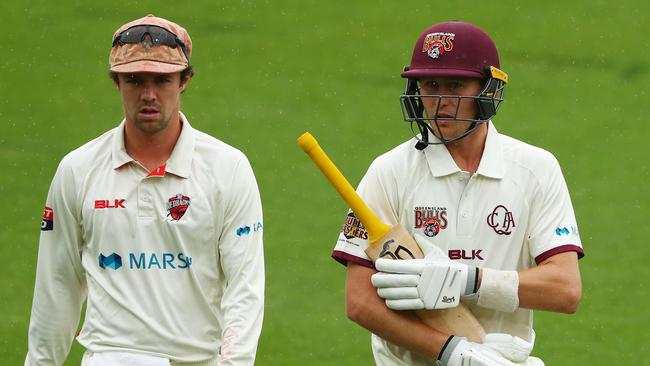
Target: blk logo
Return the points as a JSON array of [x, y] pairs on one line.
[[116, 203], [501, 220], [113, 261], [462, 254]]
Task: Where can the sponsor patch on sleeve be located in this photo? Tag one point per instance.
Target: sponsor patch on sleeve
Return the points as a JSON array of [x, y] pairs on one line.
[[48, 219]]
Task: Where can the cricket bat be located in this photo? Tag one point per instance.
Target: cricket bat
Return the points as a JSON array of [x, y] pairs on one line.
[[392, 243]]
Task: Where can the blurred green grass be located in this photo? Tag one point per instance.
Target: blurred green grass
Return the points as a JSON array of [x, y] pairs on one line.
[[269, 70]]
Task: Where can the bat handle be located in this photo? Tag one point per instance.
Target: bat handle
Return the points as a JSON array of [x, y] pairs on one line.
[[376, 228]]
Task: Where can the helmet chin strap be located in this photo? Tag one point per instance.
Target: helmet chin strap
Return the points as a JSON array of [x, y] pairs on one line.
[[424, 128]]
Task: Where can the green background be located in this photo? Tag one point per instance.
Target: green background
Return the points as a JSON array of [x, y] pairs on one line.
[[266, 71]]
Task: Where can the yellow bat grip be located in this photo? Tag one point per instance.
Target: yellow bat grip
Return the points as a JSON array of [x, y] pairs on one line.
[[376, 228]]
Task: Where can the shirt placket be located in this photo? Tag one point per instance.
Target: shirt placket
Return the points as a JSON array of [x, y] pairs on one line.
[[145, 198], [465, 206]]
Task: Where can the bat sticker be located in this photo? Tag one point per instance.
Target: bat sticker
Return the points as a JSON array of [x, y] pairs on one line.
[[385, 252]]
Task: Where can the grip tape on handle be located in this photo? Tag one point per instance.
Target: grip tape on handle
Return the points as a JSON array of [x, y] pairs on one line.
[[376, 228]]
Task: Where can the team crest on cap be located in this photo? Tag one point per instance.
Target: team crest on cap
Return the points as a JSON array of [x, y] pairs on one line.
[[436, 44], [177, 206]]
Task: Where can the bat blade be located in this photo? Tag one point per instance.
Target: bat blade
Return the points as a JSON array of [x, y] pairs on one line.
[[391, 242]]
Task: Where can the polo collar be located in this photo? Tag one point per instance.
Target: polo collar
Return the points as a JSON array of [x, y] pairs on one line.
[[492, 162], [179, 162], [442, 164]]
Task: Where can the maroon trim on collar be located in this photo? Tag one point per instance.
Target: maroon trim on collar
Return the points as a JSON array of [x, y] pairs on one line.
[[557, 250], [344, 258], [158, 172]]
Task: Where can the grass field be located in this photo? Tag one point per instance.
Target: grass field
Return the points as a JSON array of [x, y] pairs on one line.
[[269, 70]]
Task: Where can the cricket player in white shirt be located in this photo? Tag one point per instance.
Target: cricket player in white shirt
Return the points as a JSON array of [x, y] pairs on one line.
[[498, 207], [156, 225]]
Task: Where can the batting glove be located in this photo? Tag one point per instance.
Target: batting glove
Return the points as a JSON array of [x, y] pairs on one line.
[[435, 282], [459, 352], [511, 347]]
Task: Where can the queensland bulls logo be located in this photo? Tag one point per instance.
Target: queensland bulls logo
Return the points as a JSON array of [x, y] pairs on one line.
[[501, 220], [431, 227], [430, 219], [436, 44], [177, 206]]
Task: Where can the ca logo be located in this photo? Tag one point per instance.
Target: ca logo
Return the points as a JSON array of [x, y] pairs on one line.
[[501, 220]]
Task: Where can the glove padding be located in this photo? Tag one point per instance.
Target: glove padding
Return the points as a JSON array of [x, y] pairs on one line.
[[460, 352], [511, 347], [434, 282]]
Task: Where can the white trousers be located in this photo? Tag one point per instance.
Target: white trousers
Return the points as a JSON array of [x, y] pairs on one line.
[[117, 358]]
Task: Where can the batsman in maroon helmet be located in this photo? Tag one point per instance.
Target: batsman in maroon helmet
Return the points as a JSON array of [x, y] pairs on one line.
[[497, 207]]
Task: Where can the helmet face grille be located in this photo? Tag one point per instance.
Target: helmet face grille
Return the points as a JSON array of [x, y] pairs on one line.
[[413, 111]]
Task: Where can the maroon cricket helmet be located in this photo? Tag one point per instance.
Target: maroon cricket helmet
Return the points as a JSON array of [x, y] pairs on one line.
[[453, 48]]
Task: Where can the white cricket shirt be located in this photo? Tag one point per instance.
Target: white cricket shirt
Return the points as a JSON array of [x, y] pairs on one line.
[[514, 211], [171, 261]]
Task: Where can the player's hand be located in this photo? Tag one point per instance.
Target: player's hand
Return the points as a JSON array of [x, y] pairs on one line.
[[460, 352], [434, 282]]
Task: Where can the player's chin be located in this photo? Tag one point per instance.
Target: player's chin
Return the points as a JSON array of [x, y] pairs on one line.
[[150, 125]]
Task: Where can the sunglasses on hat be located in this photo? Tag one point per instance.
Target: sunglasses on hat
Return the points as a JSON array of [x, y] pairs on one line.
[[157, 36]]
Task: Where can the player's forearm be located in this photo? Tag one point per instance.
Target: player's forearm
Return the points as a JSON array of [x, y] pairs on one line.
[[401, 328], [553, 285]]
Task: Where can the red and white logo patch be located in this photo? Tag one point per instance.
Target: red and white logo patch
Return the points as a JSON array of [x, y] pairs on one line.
[[436, 44], [177, 206], [48, 219]]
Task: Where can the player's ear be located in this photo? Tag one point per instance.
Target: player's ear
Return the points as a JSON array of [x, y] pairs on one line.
[[115, 79], [184, 83]]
